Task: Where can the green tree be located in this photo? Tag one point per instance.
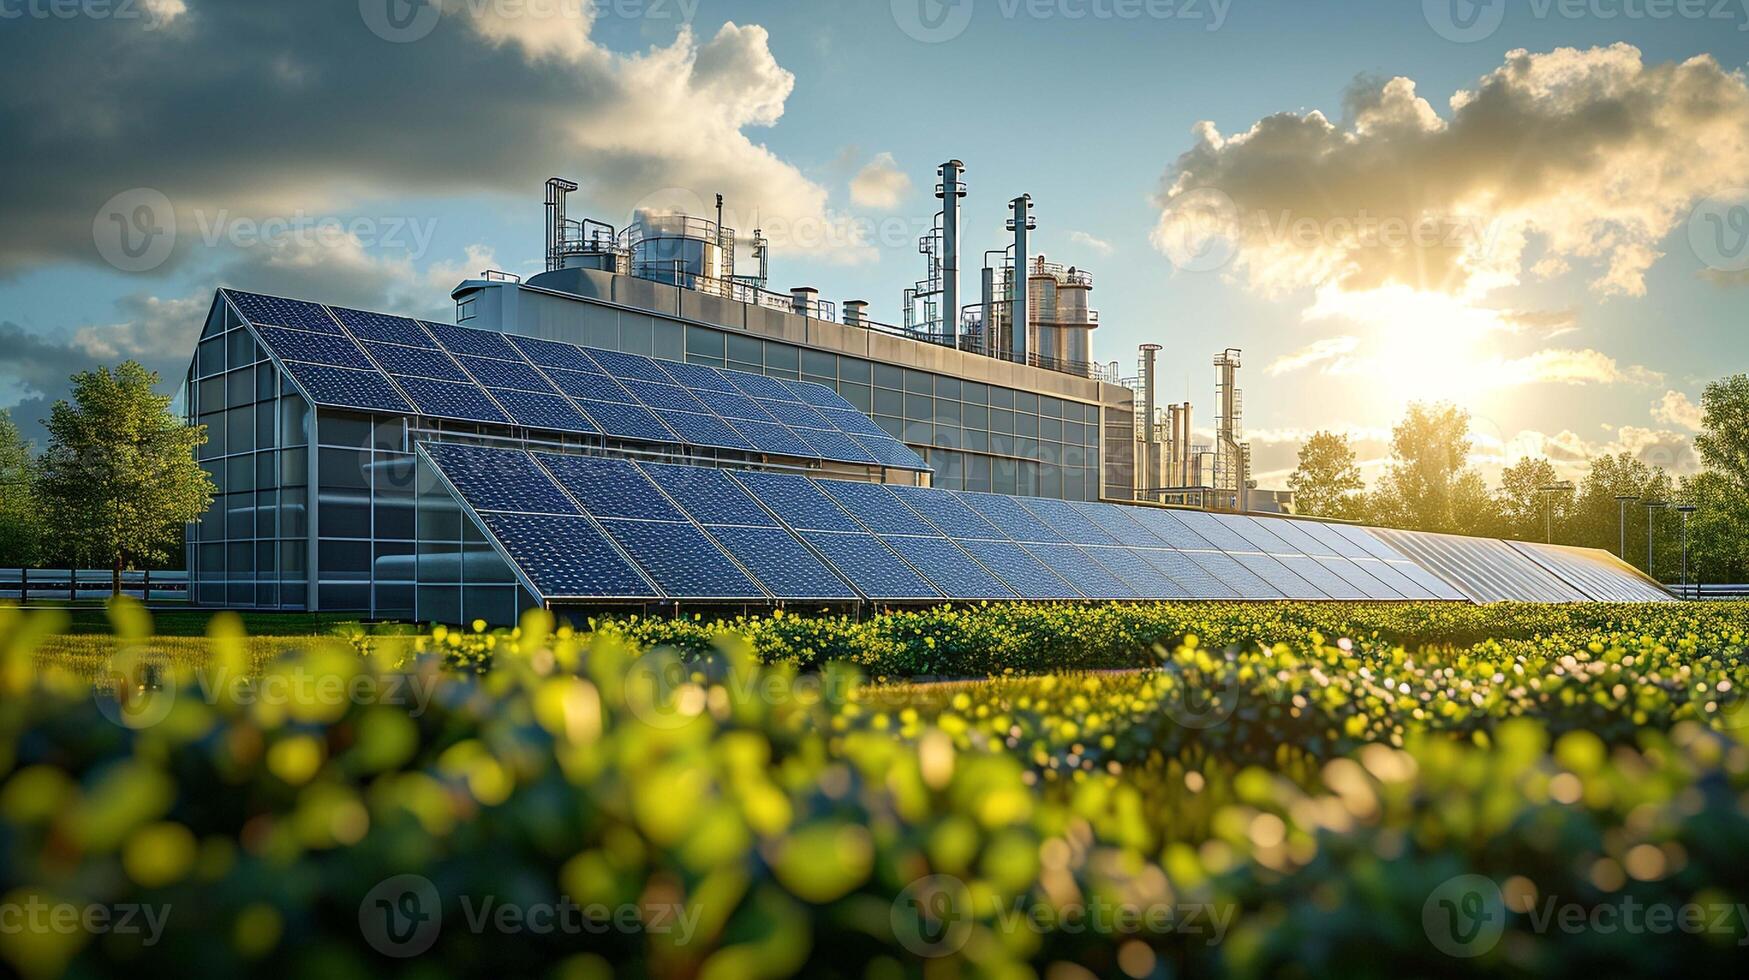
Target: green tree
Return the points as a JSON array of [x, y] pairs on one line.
[[1524, 507], [1327, 482], [1593, 523], [119, 478], [1430, 486], [20, 517], [1718, 532], [1724, 442]]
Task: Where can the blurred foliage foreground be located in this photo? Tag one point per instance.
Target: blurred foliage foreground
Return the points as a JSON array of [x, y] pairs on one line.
[[1572, 799]]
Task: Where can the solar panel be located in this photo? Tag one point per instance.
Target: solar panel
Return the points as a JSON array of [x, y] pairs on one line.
[[500, 479], [1113, 520], [854, 423], [272, 310], [796, 501], [1360, 578], [697, 377], [877, 508], [622, 365], [870, 566], [1137, 572], [590, 386], [1233, 575], [333, 349], [1216, 532], [627, 421], [953, 572], [681, 560], [347, 388], [567, 557], [794, 413], [609, 487], [1195, 579], [834, 446], [948, 513], [759, 386], [1026, 575], [1085, 573], [769, 437], [696, 429], [890, 452], [383, 328], [708, 496], [1332, 539], [480, 343], [538, 411], [817, 395], [1168, 528], [1599, 574], [1012, 519], [663, 397], [733, 405], [1321, 578], [493, 373], [420, 361], [1067, 521], [1279, 577], [553, 354], [450, 400], [1393, 578], [786, 568], [1367, 541], [1484, 569], [1297, 537]]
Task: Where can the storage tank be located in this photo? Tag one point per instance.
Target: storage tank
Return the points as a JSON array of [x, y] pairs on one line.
[[678, 248]]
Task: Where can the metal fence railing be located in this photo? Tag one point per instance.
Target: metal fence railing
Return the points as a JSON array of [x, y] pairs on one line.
[[77, 585], [1711, 591]]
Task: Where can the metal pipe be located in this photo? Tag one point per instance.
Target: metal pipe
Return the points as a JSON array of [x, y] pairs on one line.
[[1189, 454], [557, 188], [1151, 447], [1019, 318], [950, 190]]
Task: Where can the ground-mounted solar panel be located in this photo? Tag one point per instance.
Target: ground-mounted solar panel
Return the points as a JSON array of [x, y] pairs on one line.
[[1279, 576], [663, 397], [590, 386], [624, 421], [1015, 566], [1198, 581], [1010, 518], [794, 414], [1484, 569], [759, 386], [609, 487], [1296, 536], [818, 395], [538, 411], [1067, 520], [423, 362], [947, 567], [383, 328], [1116, 521], [835, 446], [450, 400], [491, 372], [950, 515], [553, 354], [1599, 574], [874, 569], [1374, 545], [629, 366], [890, 452], [876, 507], [1338, 543], [1219, 534], [1360, 577], [697, 377], [682, 560], [733, 406], [1082, 570], [782, 564], [1168, 528], [1262, 538], [278, 312], [797, 501], [770, 437], [347, 387], [333, 349], [709, 496], [1234, 575], [1320, 577], [567, 557], [499, 479], [707, 431], [1137, 572], [477, 343]]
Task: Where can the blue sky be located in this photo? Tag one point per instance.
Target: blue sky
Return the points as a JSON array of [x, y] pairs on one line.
[[449, 135]]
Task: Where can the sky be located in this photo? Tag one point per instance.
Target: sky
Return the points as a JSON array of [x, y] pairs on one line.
[[1536, 210]]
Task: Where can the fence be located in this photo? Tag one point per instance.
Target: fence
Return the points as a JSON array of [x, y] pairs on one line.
[[70, 585], [1711, 591]]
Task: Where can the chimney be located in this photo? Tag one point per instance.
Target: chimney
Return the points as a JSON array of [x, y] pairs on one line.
[[1151, 444], [950, 190], [855, 312], [805, 300], [1020, 317]]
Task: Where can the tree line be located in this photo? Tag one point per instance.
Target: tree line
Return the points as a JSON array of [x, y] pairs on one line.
[[1430, 485]]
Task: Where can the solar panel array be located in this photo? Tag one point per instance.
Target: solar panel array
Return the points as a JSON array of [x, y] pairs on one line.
[[698, 534], [378, 362]]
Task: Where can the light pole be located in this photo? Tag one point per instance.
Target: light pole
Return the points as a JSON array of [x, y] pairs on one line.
[[1621, 523], [1685, 510], [1548, 490], [1651, 506]]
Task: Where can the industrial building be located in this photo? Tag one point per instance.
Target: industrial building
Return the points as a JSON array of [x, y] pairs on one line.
[[642, 424]]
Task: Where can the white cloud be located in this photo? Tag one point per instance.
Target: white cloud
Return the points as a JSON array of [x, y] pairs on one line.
[[1566, 366], [551, 29], [1676, 409], [1331, 352], [879, 184], [1089, 241]]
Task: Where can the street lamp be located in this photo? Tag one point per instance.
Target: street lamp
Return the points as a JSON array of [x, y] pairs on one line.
[[1621, 523], [1685, 510], [1651, 505], [1548, 490]]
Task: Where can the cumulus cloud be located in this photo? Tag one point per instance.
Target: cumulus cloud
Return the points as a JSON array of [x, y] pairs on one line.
[[1091, 242], [1533, 163], [1675, 408], [1571, 453], [1567, 366], [1331, 352], [879, 184]]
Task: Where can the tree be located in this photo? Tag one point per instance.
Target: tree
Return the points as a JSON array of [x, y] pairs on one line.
[[1718, 533], [20, 517], [1327, 482], [1594, 521], [1430, 487], [1724, 443], [1524, 507], [120, 478]]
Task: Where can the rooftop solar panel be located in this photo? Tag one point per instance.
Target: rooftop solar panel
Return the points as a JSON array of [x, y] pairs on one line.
[[450, 400], [567, 557], [871, 566], [708, 496], [493, 373], [696, 429], [876, 507], [499, 479], [384, 328], [1014, 565], [347, 388], [590, 386], [553, 354], [1067, 521], [796, 501], [538, 411], [1082, 570], [336, 350], [1012, 519], [629, 366], [948, 513], [275, 311], [786, 568], [627, 421], [953, 572], [681, 560], [479, 343], [609, 487], [419, 361]]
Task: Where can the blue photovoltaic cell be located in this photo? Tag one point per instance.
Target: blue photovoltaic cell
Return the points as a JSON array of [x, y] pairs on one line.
[[333, 349], [626, 421], [493, 373], [796, 501], [708, 496], [1371, 543], [1321, 578], [794, 413], [1112, 519], [1218, 534], [835, 446], [1012, 519], [1195, 579], [384, 328], [1233, 575], [871, 566], [698, 377], [347, 388], [593, 387], [953, 572], [781, 564], [1333, 539], [1081, 570], [818, 395], [500, 479], [948, 513], [420, 361], [449, 400], [695, 429], [609, 487], [1394, 578], [1360, 578], [733, 405], [1067, 521], [553, 354], [567, 557], [890, 452], [1278, 576], [1137, 572], [622, 365], [538, 411], [480, 343], [1171, 530], [769, 437], [681, 560], [663, 397], [272, 310], [759, 386], [875, 507], [854, 422], [1297, 536], [1026, 575], [1261, 538]]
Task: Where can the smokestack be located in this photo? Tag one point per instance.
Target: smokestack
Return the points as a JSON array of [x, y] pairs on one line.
[[1150, 445], [950, 190], [1189, 454], [1021, 317]]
